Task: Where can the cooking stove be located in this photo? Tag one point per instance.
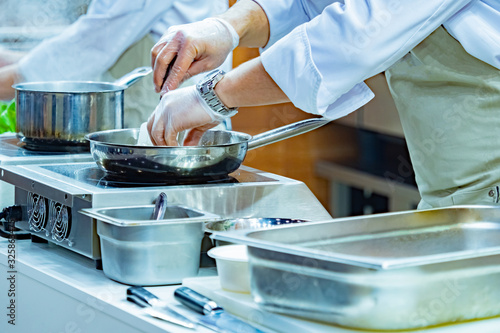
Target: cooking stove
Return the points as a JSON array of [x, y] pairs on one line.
[[52, 195], [14, 152]]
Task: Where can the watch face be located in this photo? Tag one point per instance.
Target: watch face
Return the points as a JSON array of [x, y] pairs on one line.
[[203, 89], [206, 90]]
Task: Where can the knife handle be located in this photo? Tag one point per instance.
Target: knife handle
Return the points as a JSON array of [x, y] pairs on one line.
[[195, 301], [142, 295], [137, 300]]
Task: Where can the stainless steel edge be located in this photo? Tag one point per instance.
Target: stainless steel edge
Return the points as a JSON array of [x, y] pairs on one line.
[[251, 238], [96, 214], [286, 132], [130, 78]]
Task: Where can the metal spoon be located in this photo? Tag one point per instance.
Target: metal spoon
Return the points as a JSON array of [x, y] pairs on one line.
[[160, 207]]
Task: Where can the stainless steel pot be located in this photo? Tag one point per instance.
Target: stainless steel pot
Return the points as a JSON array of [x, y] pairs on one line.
[[117, 152], [57, 115]]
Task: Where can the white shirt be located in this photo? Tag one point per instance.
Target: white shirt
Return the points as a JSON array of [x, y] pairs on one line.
[[321, 51], [91, 45]]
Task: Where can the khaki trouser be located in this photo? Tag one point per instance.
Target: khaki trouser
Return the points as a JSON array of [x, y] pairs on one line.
[[449, 105]]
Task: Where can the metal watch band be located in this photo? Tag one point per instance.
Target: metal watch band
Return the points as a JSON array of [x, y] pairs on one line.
[[206, 89]]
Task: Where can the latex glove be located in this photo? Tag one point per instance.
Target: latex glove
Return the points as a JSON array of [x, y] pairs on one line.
[[197, 47], [179, 110]]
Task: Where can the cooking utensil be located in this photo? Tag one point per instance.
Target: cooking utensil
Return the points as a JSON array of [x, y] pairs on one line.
[[253, 223], [157, 308], [382, 272], [249, 223], [117, 152], [214, 317], [169, 69], [137, 250], [57, 115], [160, 207]]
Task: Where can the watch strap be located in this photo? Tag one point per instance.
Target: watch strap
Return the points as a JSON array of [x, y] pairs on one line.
[[206, 90]]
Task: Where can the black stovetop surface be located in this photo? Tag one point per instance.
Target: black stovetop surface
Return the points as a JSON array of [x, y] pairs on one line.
[[91, 174]]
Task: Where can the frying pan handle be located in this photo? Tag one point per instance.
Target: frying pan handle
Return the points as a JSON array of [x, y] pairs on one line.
[[286, 132], [128, 79]]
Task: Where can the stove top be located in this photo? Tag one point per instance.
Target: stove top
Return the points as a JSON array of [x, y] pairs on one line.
[[101, 179], [53, 195], [90, 175], [14, 151]]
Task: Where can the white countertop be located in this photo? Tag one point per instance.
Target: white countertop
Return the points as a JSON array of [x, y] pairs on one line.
[[65, 292], [39, 266]]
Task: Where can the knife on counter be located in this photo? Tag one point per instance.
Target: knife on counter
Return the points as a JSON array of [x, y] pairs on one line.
[[214, 316], [157, 308]]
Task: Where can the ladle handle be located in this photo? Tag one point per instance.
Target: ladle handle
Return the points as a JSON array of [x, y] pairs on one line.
[[130, 78], [286, 132], [160, 207]]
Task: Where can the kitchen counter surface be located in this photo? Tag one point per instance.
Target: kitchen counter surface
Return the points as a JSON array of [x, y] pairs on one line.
[[60, 291]]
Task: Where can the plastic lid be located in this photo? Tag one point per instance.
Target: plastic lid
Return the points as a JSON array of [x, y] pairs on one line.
[[229, 252]]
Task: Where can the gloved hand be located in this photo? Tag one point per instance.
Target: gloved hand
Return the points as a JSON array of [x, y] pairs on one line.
[[198, 47], [179, 110]]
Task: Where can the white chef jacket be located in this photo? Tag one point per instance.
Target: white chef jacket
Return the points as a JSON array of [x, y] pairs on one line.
[[321, 51], [90, 46]]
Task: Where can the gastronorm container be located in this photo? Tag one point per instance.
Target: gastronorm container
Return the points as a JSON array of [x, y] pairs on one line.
[[137, 250], [247, 223], [391, 271]]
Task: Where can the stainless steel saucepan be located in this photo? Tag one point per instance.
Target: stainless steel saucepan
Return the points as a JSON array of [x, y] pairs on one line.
[[221, 152], [57, 115]]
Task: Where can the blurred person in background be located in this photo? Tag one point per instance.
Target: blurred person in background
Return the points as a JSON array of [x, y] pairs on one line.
[[441, 59], [110, 40]]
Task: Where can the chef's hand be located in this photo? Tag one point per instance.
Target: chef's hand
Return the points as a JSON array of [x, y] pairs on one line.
[[198, 47], [179, 110], [9, 75]]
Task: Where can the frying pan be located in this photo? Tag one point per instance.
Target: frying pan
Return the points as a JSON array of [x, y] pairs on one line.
[[219, 152]]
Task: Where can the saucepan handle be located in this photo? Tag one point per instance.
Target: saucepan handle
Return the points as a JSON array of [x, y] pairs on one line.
[[128, 79], [286, 132]]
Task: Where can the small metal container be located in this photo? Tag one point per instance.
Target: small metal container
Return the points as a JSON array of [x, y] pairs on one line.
[[393, 271], [250, 223], [138, 250]]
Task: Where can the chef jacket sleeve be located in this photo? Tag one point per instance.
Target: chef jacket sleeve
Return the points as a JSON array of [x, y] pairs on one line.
[[93, 43], [321, 64], [477, 27]]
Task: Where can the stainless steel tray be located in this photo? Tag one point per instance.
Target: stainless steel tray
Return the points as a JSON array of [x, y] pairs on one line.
[[138, 250], [392, 271]]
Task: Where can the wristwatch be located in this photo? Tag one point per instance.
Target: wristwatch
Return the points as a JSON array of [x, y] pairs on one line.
[[206, 89]]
